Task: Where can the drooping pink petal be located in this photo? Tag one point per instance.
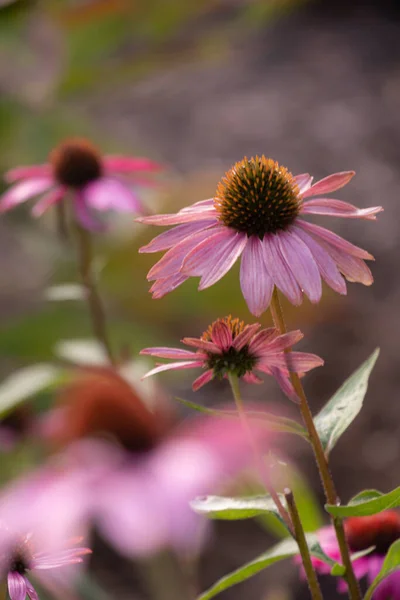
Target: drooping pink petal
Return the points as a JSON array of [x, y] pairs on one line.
[[302, 264], [255, 281], [286, 340], [178, 218], [245, 336], [337, 208], [252, 378], [176, 366], [32, 593], [23, 191], [204, 378], [204, 254], [164, 286], [327, 266], [170, 238], [320, 233], [34, 171], [304, 181], [279, 271], [108, 193], [84, 215], [202, 344], [173, 260], [329, 184], [285, 385], [16, 586], [353, 268], [125, 164], [225, 258], [48, 201], [296, 362], [261, 339], [221, 335], [163, 352]]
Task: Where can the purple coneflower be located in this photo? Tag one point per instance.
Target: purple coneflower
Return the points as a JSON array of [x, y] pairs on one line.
[[377, 531], [256, 214], [230, 347], [97, 182]]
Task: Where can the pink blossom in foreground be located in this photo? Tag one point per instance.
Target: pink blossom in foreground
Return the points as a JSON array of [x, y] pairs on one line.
[[228, 346], [378, 531], [256, 215], [96, 182]]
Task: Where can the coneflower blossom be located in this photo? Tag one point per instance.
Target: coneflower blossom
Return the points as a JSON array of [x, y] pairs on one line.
[[95, 182], [256, 214], [377, 532], [230, 347]]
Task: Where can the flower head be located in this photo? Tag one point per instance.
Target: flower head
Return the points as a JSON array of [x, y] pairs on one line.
[[97, 182], [229, 346], [377, 532], [256, 214]]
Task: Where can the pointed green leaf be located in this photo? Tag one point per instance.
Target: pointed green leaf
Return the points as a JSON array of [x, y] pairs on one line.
[[232, 509], [368, 502], [390, 565], [25, 383], [273, 422], [344, 406], [284, 549]]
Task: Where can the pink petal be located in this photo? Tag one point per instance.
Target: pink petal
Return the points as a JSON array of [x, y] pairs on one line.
[[286, 340], [163, 352], [225, 258], [176, 366], [35, 171], [330, 183], [171, 263], [198, 206], [304, 181], [202, 344], [338, 208], [221, 335], [126, 164], [243, 338], [110, 194], [31, 590], [84, 216], [255, 281], [354, 269], [170, 238], [181, 217], [280, 273], [204, 378], [285, 384], [262, 339], [199, 258], [23, 191], [297, 362], [327, 266], [301, 263], [164, 286], [48, 201], [335, 240], [16, 586], [252, 378]]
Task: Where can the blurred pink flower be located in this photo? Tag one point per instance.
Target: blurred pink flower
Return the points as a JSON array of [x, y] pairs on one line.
[[378, 531], [97, 182], [256, 214], [228, 346]]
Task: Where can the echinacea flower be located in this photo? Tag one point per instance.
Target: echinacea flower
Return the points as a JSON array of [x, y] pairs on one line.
[[377, 532], [96, 182], [256, 214], [230, 347]]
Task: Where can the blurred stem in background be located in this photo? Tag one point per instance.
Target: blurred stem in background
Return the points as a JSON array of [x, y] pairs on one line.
[[97, 314], [320, 457]]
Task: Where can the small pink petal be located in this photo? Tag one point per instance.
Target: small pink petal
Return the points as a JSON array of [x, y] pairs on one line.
[[221, 335], [202, 344], [304, 181], [201, 257], [330, 183], [255, 281], [285, 384], [170, 238], [23, 191], [178, 218], [204, 378], [252, 378], [125, 164], [84, 216], [338, 208], [48, 201], [35, 171], [353, 268], [198, 206], [16, 586], [296, 362], [164, 286], [301, 263], [284, 341], [244, 338], [31, 590], [163, 352], [175, 366], [107, 193], [226, 257], [279, 271], [333, 239], [262, 339]]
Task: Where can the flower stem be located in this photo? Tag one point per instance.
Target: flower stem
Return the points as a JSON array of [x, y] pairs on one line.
[[85, 258], [320, 457], [263, 471], [303, 547]]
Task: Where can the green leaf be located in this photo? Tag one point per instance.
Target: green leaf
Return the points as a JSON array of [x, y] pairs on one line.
[[25, 383], [232, 509], [273, 422], [344, 406], [284, 549], [390, 565], [368, 502]]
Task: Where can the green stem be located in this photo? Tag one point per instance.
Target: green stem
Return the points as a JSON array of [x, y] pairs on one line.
[[263, 471], [85, 258], [303, 546], [320, 457]]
